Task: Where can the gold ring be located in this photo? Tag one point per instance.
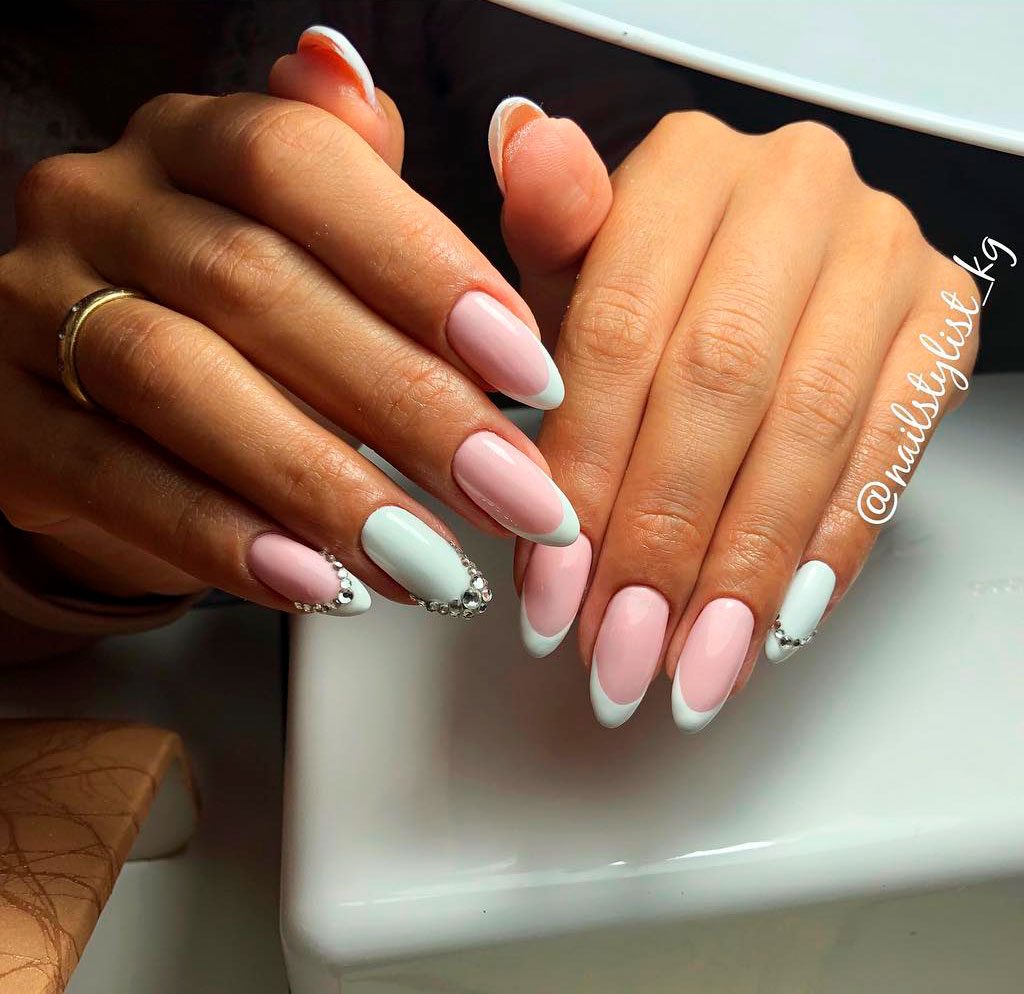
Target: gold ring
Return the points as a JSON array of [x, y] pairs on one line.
[[68, 337]]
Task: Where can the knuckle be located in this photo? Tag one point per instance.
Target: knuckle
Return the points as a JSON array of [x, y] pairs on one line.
[[50, 185], [416, 389], [893, 220], [758, 544], [195, 521], [820, 400], [153, 111], [667, 530], [815, 141], [615, 324], [275, 137], [243, 267], [311, 475], [725, 350]]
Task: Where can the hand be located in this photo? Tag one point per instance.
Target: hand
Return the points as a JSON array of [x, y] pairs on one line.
[[743, 323], [296, 284]]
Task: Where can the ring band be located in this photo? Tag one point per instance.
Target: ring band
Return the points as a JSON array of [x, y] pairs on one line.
[[68, 337]]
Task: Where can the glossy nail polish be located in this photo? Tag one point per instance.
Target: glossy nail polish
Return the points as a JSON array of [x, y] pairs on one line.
[[414, 555], [710, 662], [494, 343], [314, 581], [322, 39], [514, 490], [626, 653], [552, 591], [508, 117], [802, 608]]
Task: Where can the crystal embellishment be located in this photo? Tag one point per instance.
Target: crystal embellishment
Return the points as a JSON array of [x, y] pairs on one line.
[[474, 599], [343, 598]]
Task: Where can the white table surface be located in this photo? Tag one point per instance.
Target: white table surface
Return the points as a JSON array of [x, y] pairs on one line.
[[446, 791], [947, 67]]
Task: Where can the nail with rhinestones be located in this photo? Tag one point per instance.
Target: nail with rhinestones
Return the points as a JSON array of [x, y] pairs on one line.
[[710, 662], [627, 653], [440, 577], [802, 608], [514, 490], [329, 43], [552, 591], [314, 581]]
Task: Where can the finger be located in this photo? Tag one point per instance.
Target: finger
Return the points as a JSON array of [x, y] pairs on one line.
[[303, 173], [191, 392], [292, 320], [923, 379], [104, 473], [799, 451], [713, 387], [557, 196], [632, 289], [327, 72]]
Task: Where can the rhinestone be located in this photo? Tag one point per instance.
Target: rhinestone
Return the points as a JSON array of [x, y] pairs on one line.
[[479, 583], [471, 599], [486, 595]]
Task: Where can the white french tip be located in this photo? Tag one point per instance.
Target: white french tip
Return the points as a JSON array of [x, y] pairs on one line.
[[568, 530], [496, 135], [538, 645], [318, 34], [553, 394], [609, 713], [805, 602], [684, 716], [414, 555], [359, 604]]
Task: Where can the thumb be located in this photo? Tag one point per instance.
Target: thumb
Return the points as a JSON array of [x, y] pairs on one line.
[[557, 196], [327, 72]]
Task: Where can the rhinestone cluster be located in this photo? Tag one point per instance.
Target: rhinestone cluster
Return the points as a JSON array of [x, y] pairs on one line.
[[474, 599], [344, 596], [785, 640]]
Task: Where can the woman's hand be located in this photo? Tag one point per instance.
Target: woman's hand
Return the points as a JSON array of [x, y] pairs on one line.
[[744, 322], [278, 250]]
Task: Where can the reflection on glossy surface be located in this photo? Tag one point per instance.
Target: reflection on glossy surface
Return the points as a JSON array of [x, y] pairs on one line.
[[446, 791]]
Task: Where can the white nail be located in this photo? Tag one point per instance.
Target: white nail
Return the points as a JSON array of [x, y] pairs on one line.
[[336, 42], [802, 608], [496, 133], [414, 555]]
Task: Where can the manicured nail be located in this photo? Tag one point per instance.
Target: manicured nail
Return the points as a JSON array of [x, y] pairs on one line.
[[626, 653], [491, 340], [552, 591], [514, 490], [315, 581], [508, 117], [425, 563], [321, 39], [710, 662], [802, 608]]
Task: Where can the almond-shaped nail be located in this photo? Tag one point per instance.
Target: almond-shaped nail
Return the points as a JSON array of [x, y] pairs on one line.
[[502, 349], [514, 490], [508, 117], [315, 582], [322, 39], [710, 662], [415, 556], [552, 591], [808, 595], [626, 653]]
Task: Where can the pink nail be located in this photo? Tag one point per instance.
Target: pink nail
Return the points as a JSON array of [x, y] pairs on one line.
[[710, 662], [306, 577], [514, 490], [627, 652], [503, 350], [552, 591]]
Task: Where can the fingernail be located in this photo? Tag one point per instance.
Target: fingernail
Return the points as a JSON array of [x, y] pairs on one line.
[[802, 608], [321, 39], [508, 117], [626, 653], [491, 340], [514, 490], [314, 581], [423, 562], [552, 591], [710, 662]]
